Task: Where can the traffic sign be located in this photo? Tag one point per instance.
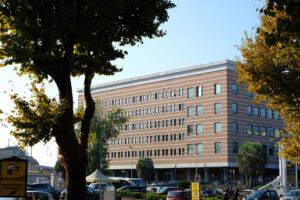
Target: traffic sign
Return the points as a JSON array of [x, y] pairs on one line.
[[195, 191], [13, 177]]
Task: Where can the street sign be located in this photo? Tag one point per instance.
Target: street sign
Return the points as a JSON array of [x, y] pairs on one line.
[[59, 174], [13, 177], [195, 191]]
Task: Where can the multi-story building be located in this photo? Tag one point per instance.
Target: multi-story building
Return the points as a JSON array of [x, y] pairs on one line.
[[189, 121]]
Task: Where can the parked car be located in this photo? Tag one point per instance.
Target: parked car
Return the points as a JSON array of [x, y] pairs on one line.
[[45, 188], [166, 189], [131, 188], [90, 194], [291, 195], [96, 186], [37, 195], [263, 195], [207, 193], [179, 195]]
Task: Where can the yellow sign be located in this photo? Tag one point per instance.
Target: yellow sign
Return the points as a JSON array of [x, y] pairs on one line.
[[195, 191], [13, 177]]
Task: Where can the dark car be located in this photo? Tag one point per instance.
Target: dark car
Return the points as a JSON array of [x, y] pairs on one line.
[[132, 188], [45, 188], [263, 195], [90, 194], [166, 189], [207, 193], [291, 195], [179, 195]]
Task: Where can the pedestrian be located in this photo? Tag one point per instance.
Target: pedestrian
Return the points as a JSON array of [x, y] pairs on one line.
[[236, 195], [226, 195]]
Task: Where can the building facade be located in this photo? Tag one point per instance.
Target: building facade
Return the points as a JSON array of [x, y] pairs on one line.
[[190, 121]]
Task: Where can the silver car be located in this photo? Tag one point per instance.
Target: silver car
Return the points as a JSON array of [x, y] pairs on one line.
[[291, 195]]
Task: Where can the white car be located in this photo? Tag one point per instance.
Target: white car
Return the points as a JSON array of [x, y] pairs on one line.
[[291, 195], [35, 195]]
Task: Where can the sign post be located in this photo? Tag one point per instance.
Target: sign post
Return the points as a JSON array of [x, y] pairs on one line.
[[13, 177], [195, 191]]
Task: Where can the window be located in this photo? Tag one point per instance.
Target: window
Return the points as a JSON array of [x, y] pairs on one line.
[[181, 136], [190, 92], [249, 94], [234, 127], [217, 108], [190, 111], [218, 127], [256, 129], [157, 95], [199, 92], [166, 94], [181, 106], [198, 129], [249, 110], [157, 109], [263, 131], [271, 150], [250, 129], [181, 151], [217, 147], [271, 131], [190, 149], [198, 148], [181, 121], [263, 112], [218, 88], [181, 92], [190, 130], [199, 110], [234, 88], [277, 133], [270, 114], [235, 147], [234, 108], [276, 115], [149, 97], [256, 111], [149, 110]]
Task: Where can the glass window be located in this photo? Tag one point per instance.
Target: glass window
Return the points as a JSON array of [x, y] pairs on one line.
[[217, 147], [234, 88], [276, 115], [263, 131], [190, 92], [249, 110], [234, 108], [218, 88], [256, 129], [190, 130], [277, 133], [263, 112], [271, 131], [270, 114], [271, 150], [256, 111], [218, 127], [199, 91], [249, 94], [250, 129], [217, 108], [199, 129], [199, 110], [234, 127], [235, 147], [199, 148], [190, 149], [190, 111]]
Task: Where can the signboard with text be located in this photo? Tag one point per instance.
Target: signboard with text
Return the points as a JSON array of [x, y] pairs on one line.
[[195, 191], [13, 177]]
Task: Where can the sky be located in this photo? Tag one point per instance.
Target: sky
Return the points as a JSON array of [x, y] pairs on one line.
[[198, 32]]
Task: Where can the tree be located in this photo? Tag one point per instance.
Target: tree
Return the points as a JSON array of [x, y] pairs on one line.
[[57, 40], [270, 67], [251, 160], [145, 168], [103, 123]]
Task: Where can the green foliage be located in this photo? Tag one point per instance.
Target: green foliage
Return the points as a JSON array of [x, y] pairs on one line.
[[154, 196], [184, 184], [145, 168], [252, 159], [106, 123], [59, 168], [270, 67]]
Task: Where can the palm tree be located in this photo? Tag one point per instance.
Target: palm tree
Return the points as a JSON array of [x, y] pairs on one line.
[[251, 160]]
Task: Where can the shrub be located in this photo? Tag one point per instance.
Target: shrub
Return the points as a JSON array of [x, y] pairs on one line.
[[184, 184], [154, 196]]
